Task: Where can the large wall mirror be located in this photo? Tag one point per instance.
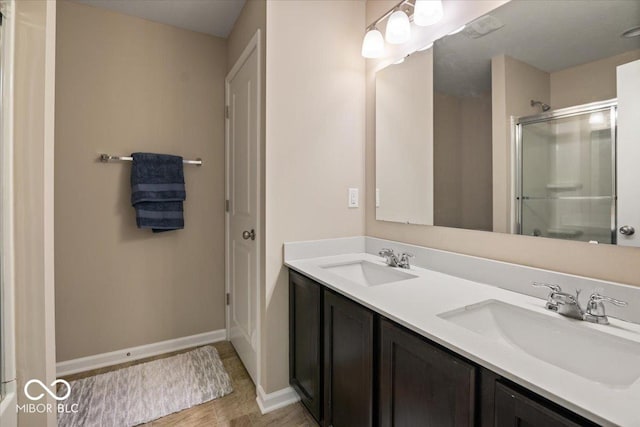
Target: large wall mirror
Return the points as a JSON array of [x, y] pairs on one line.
[[526, 121]]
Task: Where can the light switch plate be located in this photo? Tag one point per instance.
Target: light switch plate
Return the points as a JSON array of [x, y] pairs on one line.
[[353, 198], [377, 197]]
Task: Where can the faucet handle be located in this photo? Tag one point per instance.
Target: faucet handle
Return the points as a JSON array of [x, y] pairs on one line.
[[595, 308], [596, 298], [552, 304], [390, 257], [554, 288], [404, 260]]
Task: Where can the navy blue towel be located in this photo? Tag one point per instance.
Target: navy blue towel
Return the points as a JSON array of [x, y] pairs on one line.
[[157, 191]]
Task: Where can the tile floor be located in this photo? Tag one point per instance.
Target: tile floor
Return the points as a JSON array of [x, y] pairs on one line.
[[238, 409]]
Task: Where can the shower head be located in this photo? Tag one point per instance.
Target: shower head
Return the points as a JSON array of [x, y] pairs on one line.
[[543, 106]]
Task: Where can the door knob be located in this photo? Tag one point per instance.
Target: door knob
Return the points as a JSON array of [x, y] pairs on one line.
[[627, 230], [246, 235]]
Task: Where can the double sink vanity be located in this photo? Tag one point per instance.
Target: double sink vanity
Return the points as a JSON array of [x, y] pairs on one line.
[[452, 339], [523, 121]]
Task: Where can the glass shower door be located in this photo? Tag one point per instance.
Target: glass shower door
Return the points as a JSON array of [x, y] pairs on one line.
[[567, 174]]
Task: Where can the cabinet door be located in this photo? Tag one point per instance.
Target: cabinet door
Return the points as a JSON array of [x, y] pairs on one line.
[[421, 385], [513, 409], [305, 298], [348, 363]]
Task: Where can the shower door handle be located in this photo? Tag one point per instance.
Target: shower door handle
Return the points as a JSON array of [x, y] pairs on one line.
[[627, 230]]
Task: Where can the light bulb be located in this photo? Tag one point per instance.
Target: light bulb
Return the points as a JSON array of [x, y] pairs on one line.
[[373, 44], [398, 28], [427, 12]]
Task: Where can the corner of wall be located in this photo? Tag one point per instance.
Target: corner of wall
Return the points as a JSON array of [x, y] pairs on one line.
[[314, 118]]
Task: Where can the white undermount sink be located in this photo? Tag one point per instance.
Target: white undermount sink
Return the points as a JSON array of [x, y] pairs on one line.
[[565, 343], [367, 273]]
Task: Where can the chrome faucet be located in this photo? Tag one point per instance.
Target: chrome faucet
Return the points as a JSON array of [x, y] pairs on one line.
[[569, 305], [562, 302], [394, 260]]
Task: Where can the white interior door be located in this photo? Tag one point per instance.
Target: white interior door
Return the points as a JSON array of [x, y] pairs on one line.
[[628, 170], [242, 151]]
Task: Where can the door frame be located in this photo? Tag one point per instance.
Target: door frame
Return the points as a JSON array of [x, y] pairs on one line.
[[8, 383], [253, 45]]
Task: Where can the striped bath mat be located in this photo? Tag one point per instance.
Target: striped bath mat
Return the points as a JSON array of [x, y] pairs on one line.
[[145, 392]]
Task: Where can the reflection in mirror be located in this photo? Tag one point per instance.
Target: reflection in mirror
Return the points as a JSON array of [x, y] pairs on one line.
[[404, 151], [560, 75], [462, 139], [565, 173]]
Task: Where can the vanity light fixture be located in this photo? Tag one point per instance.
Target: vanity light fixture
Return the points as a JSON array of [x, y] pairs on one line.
[[427, 12], [373, 44], [398, 28]]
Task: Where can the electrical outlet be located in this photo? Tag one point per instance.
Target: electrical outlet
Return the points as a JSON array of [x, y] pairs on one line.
[[353, 197]]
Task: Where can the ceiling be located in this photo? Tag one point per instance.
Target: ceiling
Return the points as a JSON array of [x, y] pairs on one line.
[[214, 17], [550, 35]]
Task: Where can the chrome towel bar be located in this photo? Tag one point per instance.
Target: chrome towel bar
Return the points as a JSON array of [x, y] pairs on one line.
[[105, 158]]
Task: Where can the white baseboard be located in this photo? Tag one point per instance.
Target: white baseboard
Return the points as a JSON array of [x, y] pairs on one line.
[[135, 353], [278, 399]]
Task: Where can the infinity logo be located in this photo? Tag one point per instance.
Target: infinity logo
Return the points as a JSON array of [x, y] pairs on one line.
[[50, 392]]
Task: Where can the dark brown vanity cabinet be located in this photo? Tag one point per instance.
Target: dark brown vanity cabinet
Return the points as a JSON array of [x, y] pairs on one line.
[[513, 409], [305, 341], [348, 363], [421, 385], [355, 368]]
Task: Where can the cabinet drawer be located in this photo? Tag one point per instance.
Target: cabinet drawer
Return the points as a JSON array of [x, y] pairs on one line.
[[515, 409]]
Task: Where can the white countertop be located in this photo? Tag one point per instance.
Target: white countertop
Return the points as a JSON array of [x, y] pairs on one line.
[[416, 303]]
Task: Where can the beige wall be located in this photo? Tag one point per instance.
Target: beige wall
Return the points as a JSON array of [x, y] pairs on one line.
[[475, 161], [252, 17], [33, 199], [447, 171], [462, 167], [514, 84], [315, 143], [594, 81], [125, 84], [404, 151], [599, 261]]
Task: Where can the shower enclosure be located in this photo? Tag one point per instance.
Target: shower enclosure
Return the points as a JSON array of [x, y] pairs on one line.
[[566, 173]]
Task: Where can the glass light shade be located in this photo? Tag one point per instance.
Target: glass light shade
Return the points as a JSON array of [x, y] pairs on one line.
[[427, 12], [398, 28], [373, 44]]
